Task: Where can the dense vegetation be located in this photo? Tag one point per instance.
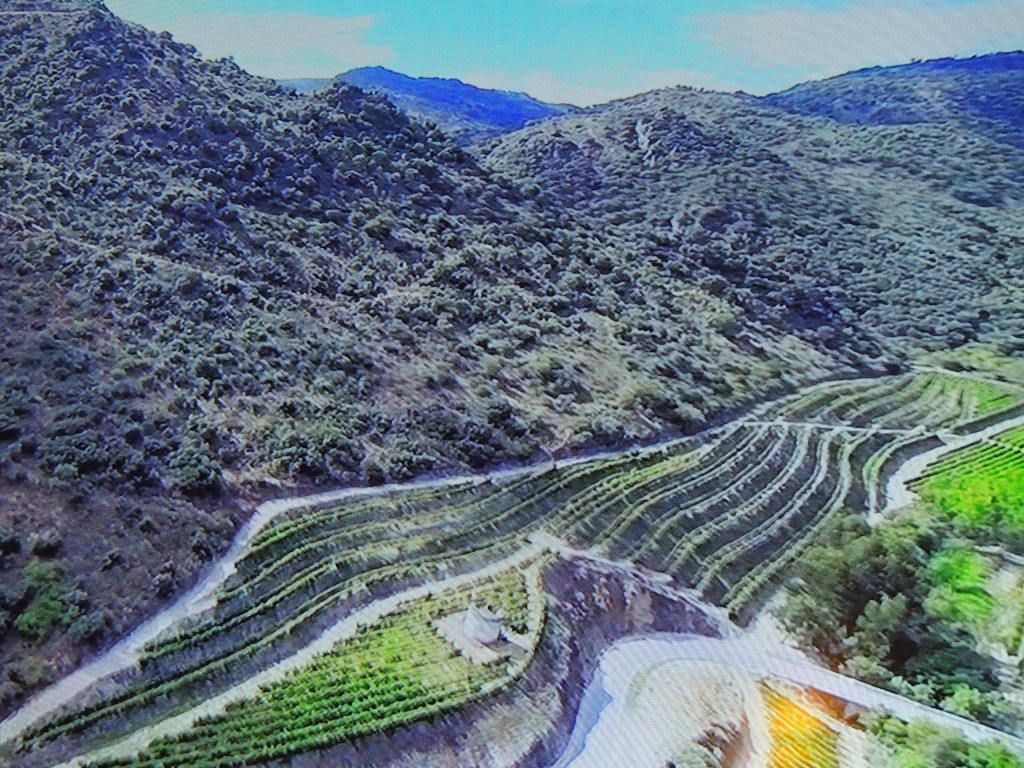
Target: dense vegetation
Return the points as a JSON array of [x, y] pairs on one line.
[[982, 489], [903, 606], [209, 286], [983, 94], [854, 236], [919, 745]]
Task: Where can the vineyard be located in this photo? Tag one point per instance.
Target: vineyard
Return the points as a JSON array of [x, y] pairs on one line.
[[981, 486], [393, 672], [723, 514]]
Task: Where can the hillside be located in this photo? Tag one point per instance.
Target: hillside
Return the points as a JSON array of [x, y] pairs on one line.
[[214, 291], [983, 94], [909, 234], [464, 111]]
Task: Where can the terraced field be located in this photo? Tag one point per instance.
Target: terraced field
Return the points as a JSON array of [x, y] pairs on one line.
[[723, 514], [981, 486], [394, 671]]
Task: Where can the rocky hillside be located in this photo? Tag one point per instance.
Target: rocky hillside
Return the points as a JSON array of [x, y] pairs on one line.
[[213, 290], [905, 235], [983, 94], [465, 112]]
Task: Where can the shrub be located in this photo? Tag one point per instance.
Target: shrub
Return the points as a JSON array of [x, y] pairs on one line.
[[53, 602], [10, 542], [45, 543]]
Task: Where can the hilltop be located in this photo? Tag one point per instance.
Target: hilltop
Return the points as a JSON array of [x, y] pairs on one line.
[[906, 234], [464, 111], [983, 94]]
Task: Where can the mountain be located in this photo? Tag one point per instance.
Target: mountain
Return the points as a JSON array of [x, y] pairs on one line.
[[464, 111], [910, 234], [983, 94], [214, 291]]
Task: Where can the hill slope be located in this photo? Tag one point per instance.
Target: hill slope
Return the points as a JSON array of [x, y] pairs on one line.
[[211, 288], [910, 234], [984, 94], [464, 111]]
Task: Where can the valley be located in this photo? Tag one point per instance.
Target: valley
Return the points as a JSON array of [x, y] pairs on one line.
[[373, 420]]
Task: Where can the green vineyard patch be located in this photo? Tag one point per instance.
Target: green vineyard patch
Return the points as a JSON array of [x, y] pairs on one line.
[[394, 672], [982, 487]]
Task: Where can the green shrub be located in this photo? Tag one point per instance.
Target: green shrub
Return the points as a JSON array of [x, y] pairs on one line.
[[53, 602]]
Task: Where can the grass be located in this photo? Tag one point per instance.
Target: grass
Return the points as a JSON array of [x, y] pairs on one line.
[[50, 605], [960, 588]]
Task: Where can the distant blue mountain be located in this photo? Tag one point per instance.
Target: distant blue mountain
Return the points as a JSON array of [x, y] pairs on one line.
[[983, 94], [465, 111]]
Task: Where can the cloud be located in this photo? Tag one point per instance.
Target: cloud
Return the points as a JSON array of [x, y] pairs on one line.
[[808, 42], [268, 43]]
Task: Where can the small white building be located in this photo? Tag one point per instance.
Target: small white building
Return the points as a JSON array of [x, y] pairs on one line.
[[481, 625]]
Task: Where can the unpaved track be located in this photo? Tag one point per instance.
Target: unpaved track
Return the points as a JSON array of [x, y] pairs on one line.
[[750, 653]]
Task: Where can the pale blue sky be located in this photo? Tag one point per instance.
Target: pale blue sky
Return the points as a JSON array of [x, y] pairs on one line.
[[585, 51]]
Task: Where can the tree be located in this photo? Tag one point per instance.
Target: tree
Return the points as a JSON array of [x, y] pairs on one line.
[[195, 471]]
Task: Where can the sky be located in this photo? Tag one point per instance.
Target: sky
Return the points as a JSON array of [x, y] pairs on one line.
[[585, 51]]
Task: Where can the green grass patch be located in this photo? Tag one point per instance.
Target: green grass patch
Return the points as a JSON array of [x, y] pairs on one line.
[[959, 591], [922, 745], [52, 601]]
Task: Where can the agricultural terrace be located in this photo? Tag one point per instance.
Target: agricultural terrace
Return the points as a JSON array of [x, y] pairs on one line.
[[390, 673], [981, 487], [725, 513]]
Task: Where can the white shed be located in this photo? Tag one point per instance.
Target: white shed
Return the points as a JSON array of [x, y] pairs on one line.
[[481, 625]]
